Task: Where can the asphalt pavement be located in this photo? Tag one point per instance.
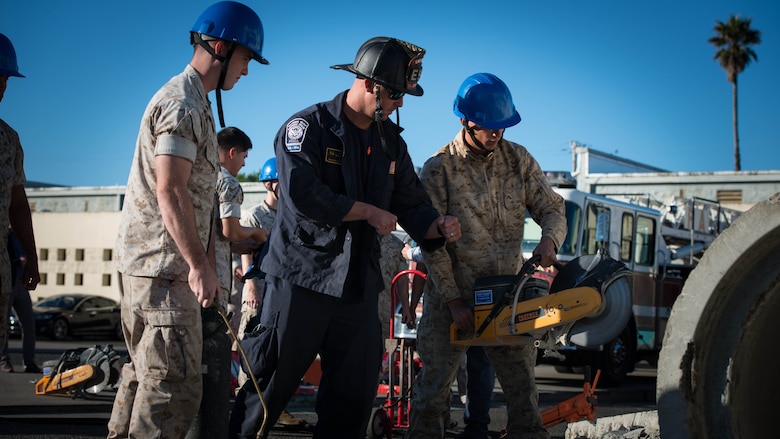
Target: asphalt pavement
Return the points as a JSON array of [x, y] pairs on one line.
[[24, 414]]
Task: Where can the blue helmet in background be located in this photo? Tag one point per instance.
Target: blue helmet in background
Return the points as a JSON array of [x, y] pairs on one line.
[[485, 100], [8, 65], [233, 21], [268, 171]]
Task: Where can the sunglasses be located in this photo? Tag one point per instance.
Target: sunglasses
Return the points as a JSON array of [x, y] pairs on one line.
[[395, 95]]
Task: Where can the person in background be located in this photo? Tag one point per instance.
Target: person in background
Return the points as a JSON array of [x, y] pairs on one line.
[[262, 215], [233, 149], [345, 178], [14, 208], [165, 245], [21, 302], [234, 146], [488, 182], [390, 264]]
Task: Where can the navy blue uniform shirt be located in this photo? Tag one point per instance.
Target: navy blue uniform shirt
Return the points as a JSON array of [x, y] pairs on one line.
[[325, 164]]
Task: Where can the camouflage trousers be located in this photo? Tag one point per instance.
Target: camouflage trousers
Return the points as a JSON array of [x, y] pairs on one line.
[[514, 366], [247, 314], [161, 387]]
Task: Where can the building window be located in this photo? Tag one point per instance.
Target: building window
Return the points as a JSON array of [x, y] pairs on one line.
[[107, 254], [78, 279], [106, 280], [43, 279], [44, 254], [79, 254], [60, 254], [60, 278]]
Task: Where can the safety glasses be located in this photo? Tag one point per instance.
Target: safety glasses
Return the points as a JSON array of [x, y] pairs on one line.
[[395, 95]]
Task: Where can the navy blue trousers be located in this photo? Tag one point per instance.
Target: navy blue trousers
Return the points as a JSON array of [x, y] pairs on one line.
[[481, 379], [299, 324]]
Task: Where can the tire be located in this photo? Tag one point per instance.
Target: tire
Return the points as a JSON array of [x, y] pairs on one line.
[[378, 424], [615, 361], [60, 329]]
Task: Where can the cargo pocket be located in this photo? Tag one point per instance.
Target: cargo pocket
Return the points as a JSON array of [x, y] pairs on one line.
[[167, 351], [262, 351]]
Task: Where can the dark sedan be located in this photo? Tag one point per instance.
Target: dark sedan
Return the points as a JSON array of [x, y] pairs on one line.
[[77, 315]]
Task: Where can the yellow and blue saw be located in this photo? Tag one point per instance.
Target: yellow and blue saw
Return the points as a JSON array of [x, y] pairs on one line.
[[588, 303]]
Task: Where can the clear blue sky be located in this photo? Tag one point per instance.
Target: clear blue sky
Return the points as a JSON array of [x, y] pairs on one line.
[[632, 78]]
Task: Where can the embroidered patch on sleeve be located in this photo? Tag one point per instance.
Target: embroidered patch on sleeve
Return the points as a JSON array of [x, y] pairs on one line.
[[294, 135]]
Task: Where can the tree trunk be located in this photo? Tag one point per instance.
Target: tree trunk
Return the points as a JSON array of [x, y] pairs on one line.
[[737, 165]]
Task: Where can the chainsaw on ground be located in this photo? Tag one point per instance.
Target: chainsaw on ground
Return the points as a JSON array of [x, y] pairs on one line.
[[587, 304], [81, 371]]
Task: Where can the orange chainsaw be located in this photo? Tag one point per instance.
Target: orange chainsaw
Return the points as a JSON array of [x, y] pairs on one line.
[[588, 303]]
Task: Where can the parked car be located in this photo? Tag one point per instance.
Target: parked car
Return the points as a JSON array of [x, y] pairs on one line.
[[76, 315]]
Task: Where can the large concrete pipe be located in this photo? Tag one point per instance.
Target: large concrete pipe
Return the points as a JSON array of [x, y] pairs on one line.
[[719, 369]]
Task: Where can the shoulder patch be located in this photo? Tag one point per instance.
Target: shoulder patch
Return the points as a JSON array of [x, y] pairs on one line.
[[294, 134]]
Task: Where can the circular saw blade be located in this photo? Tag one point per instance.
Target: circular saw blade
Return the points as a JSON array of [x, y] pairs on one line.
[[611, 279], [100, 380]]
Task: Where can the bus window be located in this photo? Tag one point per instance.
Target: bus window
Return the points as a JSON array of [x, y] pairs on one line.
[[626, 232], [532, 233], [573, 214], [644, 250], [596, 229]]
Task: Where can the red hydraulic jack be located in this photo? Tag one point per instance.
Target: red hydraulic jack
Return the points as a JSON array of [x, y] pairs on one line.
[[577, 408], [574, 409]]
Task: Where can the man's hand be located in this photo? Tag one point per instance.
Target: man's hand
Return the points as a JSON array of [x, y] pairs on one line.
[[462, 314], [204, 284], [546, 249], [249, 295], [446, 226], [383, 221]]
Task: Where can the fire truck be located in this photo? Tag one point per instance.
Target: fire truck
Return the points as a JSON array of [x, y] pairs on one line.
[[659, 241]]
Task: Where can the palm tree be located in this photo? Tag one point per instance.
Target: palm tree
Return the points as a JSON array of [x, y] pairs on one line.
[[732, 40]]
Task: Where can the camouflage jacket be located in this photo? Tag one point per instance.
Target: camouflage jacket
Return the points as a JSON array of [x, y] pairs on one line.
[[11, 174], [489, 195], [177, 121]]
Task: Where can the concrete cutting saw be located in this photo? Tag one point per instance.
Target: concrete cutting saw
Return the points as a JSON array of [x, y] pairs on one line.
[[81, 371], [587, 304]]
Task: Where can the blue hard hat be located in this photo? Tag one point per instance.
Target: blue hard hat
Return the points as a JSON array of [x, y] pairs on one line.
[[233, 21], [268, 171], [8, 65], [485, 100]]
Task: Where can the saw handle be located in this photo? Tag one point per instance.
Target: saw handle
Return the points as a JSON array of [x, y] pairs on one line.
[[525, 270]]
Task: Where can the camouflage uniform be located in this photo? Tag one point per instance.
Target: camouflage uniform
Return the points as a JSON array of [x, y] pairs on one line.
[[263, 216], [391, 262], [489, 195], [161, 388], [230, 195], [11, 174]]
